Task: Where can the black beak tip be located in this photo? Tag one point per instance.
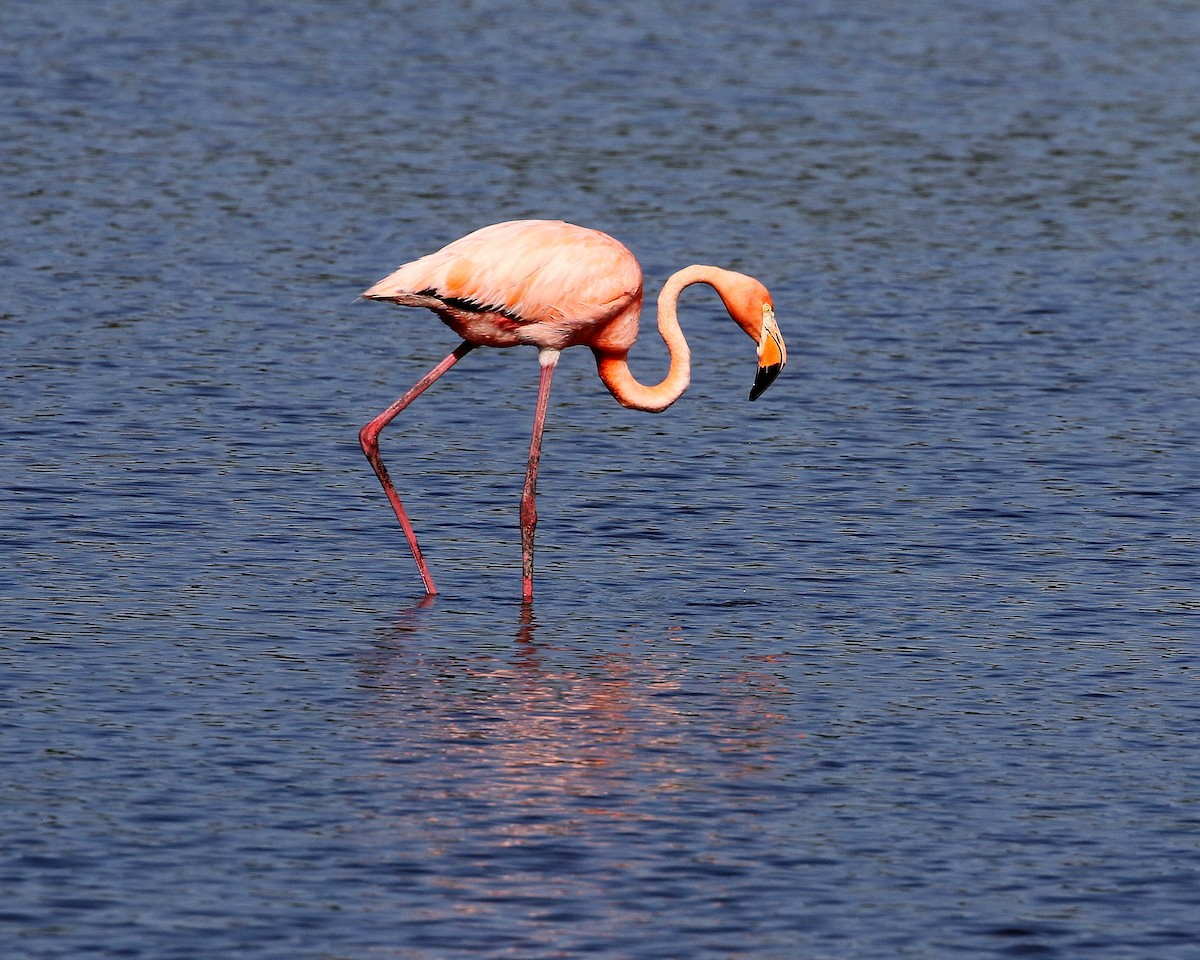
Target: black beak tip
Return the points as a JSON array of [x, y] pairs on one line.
[[763, 379]]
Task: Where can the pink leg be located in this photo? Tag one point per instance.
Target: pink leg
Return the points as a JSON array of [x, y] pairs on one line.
[[368, 436], [548, 359]]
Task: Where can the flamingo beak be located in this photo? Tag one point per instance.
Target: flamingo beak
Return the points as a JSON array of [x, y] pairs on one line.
[[772, 354]]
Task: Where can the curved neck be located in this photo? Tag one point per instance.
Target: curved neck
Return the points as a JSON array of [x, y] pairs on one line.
[[614, 369]]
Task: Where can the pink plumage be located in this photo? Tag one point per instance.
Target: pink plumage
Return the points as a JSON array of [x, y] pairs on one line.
[[540, 282]]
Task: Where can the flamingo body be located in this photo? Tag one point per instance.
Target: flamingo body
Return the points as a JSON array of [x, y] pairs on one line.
[[544, 283], [553, 285]]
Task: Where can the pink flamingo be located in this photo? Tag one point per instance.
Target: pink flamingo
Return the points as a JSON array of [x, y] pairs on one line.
[[554, 285]]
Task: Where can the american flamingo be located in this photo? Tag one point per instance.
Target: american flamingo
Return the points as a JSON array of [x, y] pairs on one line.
[[554, 285]]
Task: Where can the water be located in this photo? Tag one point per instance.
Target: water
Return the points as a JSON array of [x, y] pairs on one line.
[[897, 661]]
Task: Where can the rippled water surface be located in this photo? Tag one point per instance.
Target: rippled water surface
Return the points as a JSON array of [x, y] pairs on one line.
[[897, 661]]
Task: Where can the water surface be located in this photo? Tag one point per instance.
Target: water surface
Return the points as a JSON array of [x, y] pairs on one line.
[[896, 661]]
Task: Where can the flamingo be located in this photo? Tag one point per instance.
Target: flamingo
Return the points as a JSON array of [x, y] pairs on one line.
[[553, 285]]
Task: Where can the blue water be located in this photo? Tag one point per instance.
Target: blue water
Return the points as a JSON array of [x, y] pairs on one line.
[[898, 661]]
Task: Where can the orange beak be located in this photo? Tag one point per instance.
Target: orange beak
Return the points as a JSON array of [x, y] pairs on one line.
[[772, 354]]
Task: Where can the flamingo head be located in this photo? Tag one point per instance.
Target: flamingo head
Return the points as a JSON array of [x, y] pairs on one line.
[[751, 307]]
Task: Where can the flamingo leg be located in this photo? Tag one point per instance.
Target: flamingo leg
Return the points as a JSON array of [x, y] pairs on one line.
[[548, 359], [368, 437]]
